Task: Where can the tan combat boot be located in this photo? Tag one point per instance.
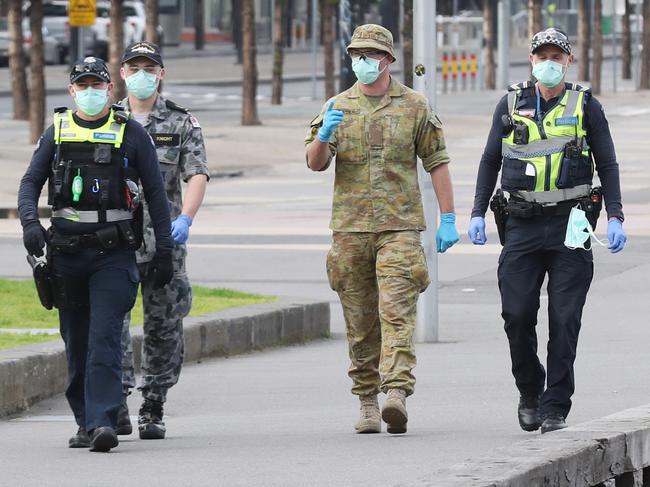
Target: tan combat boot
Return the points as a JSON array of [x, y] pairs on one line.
[[370, 419], [394, 411]]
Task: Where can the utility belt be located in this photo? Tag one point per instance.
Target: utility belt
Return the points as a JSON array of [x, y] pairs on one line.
[[518, 207], [121, 235]]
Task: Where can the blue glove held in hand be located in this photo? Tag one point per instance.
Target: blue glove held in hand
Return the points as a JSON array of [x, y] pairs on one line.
[[181, 229], [476, 230], [331, 120], [616, 235], [447, 234]]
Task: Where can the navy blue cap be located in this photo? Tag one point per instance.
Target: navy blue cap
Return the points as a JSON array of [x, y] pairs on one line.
[[143, 49]]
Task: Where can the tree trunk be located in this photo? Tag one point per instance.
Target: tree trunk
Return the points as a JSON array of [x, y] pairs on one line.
[[236, 28], [644, 81], [278, 52], [534, 17], [597, 48], [17, 62], [249, 98], [407, 43], [583, 40], [488, 46], [199, 27], [626, 42], [327, 15], [116, 48], [37, 61], [151, 13]]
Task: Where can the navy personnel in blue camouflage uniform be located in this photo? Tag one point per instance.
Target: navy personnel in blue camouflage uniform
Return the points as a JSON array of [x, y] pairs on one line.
[[93, 158], [181, 153]]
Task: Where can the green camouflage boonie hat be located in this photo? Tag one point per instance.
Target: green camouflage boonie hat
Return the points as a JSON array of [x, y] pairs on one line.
[[372, 36]]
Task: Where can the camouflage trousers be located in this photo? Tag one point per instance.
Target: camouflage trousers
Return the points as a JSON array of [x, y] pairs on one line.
[[162, 347], [378, 277]]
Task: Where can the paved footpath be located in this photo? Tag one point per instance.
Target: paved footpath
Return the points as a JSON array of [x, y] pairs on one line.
[[284, 417]]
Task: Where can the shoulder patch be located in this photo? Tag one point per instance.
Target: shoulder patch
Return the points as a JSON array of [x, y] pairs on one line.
[[520, 86], [173, 106], [195, 122]]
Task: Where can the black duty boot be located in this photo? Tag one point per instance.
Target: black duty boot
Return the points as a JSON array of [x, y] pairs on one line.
[[80, 440], [124, 426], [528, 413], [553, 422], [103, 439], [150, 421]]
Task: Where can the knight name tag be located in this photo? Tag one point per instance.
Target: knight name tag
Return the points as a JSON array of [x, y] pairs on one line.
[[166, 140]]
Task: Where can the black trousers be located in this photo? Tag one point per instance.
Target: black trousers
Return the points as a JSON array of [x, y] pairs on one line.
[[534, 248], [100, 288]]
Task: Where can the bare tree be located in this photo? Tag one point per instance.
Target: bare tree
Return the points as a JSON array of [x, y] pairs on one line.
[[199, 27], [583, 40], [327, 16], [407, 43], [116, 47], [644, 81], [17, 62], [534, 17], [151, 13], [249, 98], [627, 42], [278, 52], [488, 47], [37, 61], [597, 46]]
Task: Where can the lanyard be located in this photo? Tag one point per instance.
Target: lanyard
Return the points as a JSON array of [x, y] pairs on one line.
[[538, 114]]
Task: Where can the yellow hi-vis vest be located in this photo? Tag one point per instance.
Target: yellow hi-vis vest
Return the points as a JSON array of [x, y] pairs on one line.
[[535, 165], [66, 130]]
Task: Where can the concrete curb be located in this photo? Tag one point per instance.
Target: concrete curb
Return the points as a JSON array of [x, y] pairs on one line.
[[608, 450], [32, 373]]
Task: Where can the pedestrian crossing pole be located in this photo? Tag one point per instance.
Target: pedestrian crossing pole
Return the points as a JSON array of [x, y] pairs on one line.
[[424, 81]]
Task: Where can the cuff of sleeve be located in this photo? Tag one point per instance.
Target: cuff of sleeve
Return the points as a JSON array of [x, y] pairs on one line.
[[196, 172], [435, 160]]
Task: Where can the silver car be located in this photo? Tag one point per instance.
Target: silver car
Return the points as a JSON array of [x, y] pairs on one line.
[[51, 50]]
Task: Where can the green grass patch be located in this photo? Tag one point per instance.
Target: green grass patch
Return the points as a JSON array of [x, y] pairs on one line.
[[21, 309]]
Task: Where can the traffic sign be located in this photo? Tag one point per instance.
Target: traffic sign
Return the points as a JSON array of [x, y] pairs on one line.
[[82, 13]]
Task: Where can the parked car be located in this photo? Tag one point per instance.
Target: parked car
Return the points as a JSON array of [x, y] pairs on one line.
[[50, 44], [136, 16], [101, 30]]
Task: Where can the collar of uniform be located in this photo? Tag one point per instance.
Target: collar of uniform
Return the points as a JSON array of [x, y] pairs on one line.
[[159, 109], [394, 90]]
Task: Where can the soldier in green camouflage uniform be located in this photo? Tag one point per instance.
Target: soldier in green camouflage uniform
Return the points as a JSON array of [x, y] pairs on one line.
[[376, 130], [181, 153]]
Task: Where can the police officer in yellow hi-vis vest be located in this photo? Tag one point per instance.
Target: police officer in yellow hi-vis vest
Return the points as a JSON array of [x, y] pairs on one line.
[[547, 138], [94, 159]]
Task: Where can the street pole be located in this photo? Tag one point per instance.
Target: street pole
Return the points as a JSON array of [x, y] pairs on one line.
[[424, 61], [614, 45], [345, 26], [400, 23], [314, 47], [503, 22]]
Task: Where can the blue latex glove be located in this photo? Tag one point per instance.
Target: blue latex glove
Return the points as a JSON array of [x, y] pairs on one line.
[[181, 229], [616, 235], [447, 234], [331, 120], [476, 230]]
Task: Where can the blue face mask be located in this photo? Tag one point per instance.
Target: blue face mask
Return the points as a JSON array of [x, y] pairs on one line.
[[366, 69], [91, 101], [142, 84], [549, 73], [578, 231]]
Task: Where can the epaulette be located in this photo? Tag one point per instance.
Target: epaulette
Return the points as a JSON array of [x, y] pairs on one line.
[[60, 109], [577, 87], [173, 106], [521, 86]]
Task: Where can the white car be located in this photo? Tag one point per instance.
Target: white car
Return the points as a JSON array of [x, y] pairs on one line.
[[136, 16], [101, 30]]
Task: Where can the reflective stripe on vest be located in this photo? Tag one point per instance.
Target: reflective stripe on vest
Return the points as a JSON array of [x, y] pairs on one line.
[[89, 216], [109, 133], [546, 141]]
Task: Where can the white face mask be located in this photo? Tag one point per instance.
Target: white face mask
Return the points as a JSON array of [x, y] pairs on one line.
[[578, 231]]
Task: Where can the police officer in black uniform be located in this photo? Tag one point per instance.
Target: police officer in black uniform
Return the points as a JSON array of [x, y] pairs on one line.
[[94, 159], [546, 135]]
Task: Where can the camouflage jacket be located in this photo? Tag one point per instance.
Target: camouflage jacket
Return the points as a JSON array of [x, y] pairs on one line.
[[376, 183], [181, 153]]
